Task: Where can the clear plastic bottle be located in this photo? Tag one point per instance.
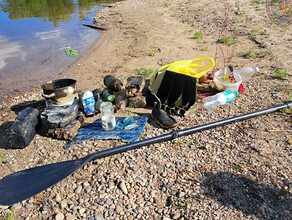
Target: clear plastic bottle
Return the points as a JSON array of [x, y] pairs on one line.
[[246, 72], [107, 116], [219, 99]]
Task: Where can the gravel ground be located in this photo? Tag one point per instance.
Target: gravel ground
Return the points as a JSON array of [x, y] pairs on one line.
[[238, 171]]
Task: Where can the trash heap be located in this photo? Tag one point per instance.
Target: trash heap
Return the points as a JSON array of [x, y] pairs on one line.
[[175, 90]]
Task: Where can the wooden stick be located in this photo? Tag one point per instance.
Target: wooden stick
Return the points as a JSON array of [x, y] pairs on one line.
[[95, 27]]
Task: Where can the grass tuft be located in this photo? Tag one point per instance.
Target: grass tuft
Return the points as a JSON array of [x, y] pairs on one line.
[[145, 71], [231, 40], [280, 73], [198, 35]]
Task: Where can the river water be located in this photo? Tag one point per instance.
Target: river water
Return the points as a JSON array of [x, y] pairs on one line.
[[32, 35]]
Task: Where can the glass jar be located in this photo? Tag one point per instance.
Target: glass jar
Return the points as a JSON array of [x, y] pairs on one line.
[[107, 116]]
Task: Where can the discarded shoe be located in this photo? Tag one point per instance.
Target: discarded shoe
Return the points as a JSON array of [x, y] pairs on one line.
[[162, 118]]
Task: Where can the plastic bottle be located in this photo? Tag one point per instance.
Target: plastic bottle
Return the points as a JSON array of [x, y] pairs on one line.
[[107, 116], [113, 83], [121, 99], [88, 103], [108, 95], [219, 99], [246, 72]]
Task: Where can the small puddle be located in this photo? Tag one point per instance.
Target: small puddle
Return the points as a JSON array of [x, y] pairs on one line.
[[31, 35]]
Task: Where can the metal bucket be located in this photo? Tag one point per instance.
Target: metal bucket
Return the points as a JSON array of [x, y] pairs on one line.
[[60, 92]]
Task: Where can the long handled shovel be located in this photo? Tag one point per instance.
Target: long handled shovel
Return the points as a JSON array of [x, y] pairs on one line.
[[24, 184]]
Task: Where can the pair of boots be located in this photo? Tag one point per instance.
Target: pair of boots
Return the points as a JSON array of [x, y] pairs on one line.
[[162, 118]]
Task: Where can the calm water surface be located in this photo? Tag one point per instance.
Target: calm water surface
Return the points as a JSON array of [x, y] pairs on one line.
[[31, 35]]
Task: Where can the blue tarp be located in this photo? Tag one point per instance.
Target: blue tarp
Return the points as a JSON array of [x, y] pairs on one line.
[[95, 131]]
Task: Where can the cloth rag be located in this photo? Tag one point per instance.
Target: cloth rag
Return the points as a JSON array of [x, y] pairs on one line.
[[95, 131]]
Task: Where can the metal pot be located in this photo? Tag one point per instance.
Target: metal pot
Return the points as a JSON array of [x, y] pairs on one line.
[[60, 92]]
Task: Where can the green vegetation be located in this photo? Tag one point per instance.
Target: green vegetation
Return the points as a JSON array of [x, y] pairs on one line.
[[152, 53], [198, 35], [185, 203], [280, 73], [145, 71], [248, 53], [70, 52], [203, 48], [243, 163], [2, 156], [166, 4], [258, 2], [8, 216], [262, 54], [231, 40]]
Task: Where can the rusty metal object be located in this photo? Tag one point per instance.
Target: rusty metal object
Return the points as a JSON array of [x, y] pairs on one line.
[[60, 92]]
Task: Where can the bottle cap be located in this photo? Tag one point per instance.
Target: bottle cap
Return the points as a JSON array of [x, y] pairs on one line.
[[236, 93], [256, 69]]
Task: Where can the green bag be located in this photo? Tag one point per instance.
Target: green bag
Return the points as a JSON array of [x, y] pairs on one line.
[[175, 92]]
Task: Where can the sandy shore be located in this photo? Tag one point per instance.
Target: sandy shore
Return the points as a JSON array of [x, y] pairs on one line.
[[240, 171]]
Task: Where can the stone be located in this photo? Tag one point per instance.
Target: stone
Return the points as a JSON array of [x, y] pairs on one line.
[[16, 207], [29, 206], [137, 101], [4, 207], [78, 189], [44, 208], [98, 217], [61, 116], [82, 210], [69, 131], [180, 194], [63, 204], [59, 216], [58, 198], [134, 85], [23, 130], [70, 217], [88, 189], [99, 208], [123, 187]]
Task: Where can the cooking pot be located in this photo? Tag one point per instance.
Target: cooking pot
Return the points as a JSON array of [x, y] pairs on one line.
[[60, 92]]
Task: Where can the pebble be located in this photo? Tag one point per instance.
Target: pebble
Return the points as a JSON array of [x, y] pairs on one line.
[[181, 194], [98, 217], [70, 217], [58, 198], [111, 185], [63, 204], [44, 208], [82, 210], [87, 189], [16, 207], [123, 187], [59, 216], [4, 207], [29, 206], [78, 189]]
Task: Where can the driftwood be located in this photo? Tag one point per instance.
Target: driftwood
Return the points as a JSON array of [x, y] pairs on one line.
[[95, 27]]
